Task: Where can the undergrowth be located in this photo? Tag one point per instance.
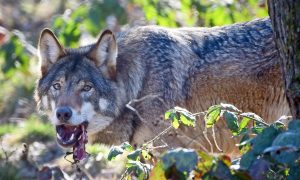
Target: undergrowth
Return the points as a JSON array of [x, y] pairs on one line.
[[267, 151]]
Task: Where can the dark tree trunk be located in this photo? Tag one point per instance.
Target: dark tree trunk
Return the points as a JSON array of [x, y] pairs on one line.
[[285, 17]]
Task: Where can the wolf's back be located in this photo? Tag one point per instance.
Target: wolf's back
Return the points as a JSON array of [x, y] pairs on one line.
[[199, 67]]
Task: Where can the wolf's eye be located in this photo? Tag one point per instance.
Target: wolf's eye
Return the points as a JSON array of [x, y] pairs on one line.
[[56, 86], [87, 88]]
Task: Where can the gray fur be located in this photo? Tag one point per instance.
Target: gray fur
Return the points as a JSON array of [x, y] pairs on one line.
[[189, 67]]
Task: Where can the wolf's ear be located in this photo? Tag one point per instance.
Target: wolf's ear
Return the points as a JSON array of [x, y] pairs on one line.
[[104, 54], [50, 50]]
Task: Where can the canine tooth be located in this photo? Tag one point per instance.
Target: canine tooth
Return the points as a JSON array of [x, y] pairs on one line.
[[72, 138], [59, 137]]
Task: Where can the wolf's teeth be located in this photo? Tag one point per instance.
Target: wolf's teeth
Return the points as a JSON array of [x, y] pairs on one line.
[[72, 138], [58, 136]]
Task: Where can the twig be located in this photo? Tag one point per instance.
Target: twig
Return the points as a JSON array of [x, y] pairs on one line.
[[158, 136], [193, 140], [206, 138], [124, 174], [215, 139], [128, 105], [158, 147]]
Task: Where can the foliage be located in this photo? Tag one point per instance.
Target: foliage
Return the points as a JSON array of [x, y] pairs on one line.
[[8, 171], [7, 128], [15, 75], [30, 130], [180, 116], [268, 150], [201, 13], [90, 16], [36, 130]]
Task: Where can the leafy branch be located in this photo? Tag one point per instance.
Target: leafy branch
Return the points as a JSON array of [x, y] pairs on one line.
[[268, 150]]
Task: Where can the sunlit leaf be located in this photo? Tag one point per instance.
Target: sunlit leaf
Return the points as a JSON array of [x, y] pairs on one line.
[[212, 116], [114, 152], [179, 116], [134, 155], [175, 122], [252, 116], [126, 146], [157, 172], [146, 155], [244, 122], [232, 122], [229, 107]]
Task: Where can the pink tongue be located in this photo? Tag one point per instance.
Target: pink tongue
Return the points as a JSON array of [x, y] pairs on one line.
[[79, 147]]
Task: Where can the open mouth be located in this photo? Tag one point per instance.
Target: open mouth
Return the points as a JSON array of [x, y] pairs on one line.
[[76, 136]]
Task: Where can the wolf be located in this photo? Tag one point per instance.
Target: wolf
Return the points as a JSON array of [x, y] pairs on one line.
[[119, 87]]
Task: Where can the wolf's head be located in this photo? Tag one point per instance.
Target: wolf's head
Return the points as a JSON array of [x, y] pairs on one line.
[[77, 86]]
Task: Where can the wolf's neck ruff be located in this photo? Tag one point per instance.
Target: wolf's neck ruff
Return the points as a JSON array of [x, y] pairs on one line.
[[190, 67]]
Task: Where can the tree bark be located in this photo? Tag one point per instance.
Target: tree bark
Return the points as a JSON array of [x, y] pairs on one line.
[[285, 18]]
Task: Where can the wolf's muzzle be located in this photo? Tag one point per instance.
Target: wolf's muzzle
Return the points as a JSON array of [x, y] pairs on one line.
[[63, 114]]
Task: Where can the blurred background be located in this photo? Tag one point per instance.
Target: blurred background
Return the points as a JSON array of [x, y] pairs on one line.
[[27, 141]]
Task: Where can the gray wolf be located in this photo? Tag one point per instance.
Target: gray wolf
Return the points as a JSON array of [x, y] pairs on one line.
[[154, 69]]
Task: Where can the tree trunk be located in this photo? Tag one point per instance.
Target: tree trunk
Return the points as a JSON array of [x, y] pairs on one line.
[[285, 17]]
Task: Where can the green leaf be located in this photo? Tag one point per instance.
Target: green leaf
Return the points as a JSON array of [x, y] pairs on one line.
[[247, 159], [186, 120], [232, 122], [264, 139], [219, 170], [114, 152], [158, 172], [229, 107], [212, 116], [146, 155], [294, 125], [252, 116], [185, 160], [205, 162], [259, 169], [137, 168], [244, 123], [289, 142], [175, 122], [134, 155], [186, 117], [180, 115], [244, 145], [168, 114], [257, 129], [172, 115], [126, 146]]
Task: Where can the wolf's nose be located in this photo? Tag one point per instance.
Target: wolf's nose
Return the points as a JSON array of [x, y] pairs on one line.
[[63, 113]]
